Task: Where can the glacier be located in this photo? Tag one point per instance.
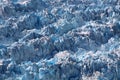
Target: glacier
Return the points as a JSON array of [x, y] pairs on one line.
[[59, 39]]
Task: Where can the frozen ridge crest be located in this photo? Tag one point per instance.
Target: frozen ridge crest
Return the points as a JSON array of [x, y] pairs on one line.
[[59, 39]]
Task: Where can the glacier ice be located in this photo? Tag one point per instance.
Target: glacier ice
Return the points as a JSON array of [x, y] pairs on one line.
[[59, 39]]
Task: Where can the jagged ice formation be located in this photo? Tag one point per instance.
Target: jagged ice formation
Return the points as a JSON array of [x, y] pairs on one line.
[[59, 39]]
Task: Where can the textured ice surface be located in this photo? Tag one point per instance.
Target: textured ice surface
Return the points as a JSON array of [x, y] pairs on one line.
[[59, 39]]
